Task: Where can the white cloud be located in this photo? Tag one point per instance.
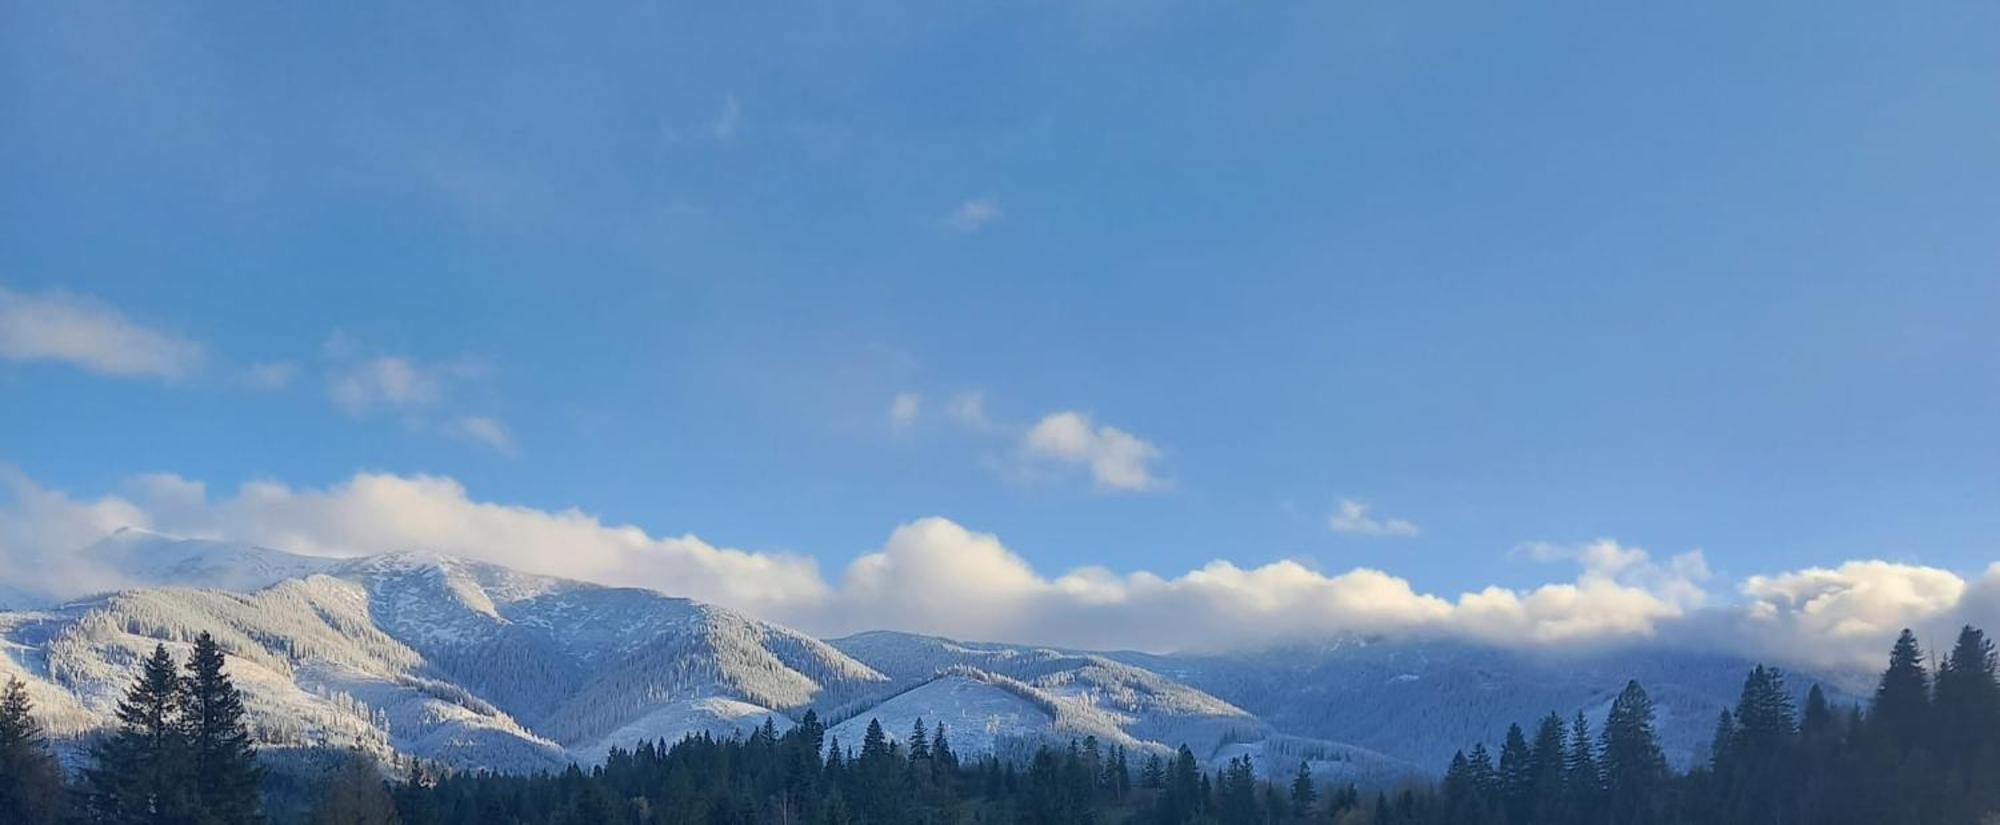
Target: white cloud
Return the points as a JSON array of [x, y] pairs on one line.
[[969, 410], [1117, 459], [421, 393], [1351, 518], [270, 376], [379, 513], [386, 382], [933, 575], [485, 430], [724, 125], [974, 215], [86, 333], [904, 408]]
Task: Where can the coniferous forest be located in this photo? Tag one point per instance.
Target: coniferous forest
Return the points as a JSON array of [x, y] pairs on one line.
[[1925, 750]]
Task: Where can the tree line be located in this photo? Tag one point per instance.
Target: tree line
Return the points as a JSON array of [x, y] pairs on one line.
[[1925, 750], [181, 754]]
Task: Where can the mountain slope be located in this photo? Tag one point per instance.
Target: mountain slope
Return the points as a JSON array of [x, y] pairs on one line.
[[1082, 694], [1421, 701], [470, 663]]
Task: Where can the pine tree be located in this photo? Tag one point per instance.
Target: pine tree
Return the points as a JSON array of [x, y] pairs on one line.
[[920, 741], [140, 773], [1722, 747], [1968, 697], [1634, 768], [1517, 779], [223, 763], [941, 753], [356, 796], [1304, 792], [1154, 774], [1545, 768], [1902, 698], [1583, 781], [1816, 721], [1485, 780], [874, 743], [31, 791], [1764, 721]]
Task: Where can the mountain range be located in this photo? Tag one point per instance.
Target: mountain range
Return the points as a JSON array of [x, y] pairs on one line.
[[479, 666]]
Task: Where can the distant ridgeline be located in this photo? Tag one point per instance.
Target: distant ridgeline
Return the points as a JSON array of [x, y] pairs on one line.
[[1925, 750]]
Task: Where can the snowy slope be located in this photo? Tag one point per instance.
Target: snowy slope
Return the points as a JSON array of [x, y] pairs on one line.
[[980, 715], [1420, 701], [1082, 694], [481, 666], [469, 663]]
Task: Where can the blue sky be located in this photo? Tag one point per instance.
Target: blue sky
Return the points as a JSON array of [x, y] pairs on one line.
[[1713, 276]]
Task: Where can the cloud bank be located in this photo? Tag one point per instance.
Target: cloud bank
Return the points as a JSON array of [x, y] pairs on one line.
[[92, 335], [933, 575]]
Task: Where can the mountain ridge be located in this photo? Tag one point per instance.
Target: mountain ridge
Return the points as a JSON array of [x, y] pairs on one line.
[[481, 666]]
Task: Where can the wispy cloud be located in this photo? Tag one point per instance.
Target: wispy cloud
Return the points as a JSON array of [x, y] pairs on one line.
[[270, 376], [84, 332], [485, 430], [423, 394], [1352, 518], [904, 408], [974, 215], [724, 125], [969, 410]]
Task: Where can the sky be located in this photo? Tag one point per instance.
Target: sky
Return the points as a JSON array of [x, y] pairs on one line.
[[1228, 302]]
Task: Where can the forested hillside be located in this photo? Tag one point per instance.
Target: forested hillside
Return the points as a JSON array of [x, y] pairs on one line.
[[1925, 749]]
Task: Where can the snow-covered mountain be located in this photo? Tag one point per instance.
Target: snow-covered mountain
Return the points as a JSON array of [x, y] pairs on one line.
[[469, 663], [1421, 700], [1000, 695], [481, 666]]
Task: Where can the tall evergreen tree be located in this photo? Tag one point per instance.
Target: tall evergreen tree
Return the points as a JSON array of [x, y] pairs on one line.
[[941, 753], [920, 741], [1816, 722], [356, 795], [31, 790], [1634, 768], [1545, 769], [1902, 698], [140, 775], [1968, 697], [1517, 778], [1583, 780], [220, 756], [1153, 775], [1304, 791]]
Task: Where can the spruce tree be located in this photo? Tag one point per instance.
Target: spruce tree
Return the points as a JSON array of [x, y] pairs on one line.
[[941, 753], [1902, 698], [141, 773], [1153, 775], [1304, 792], [220, 756], [356, 795], [1722, 746], [1635, 771], [1583, 780], [1968, 697], [1545, 768], [920, 741], [31, 791], [1816, 721], [1517, 779]]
